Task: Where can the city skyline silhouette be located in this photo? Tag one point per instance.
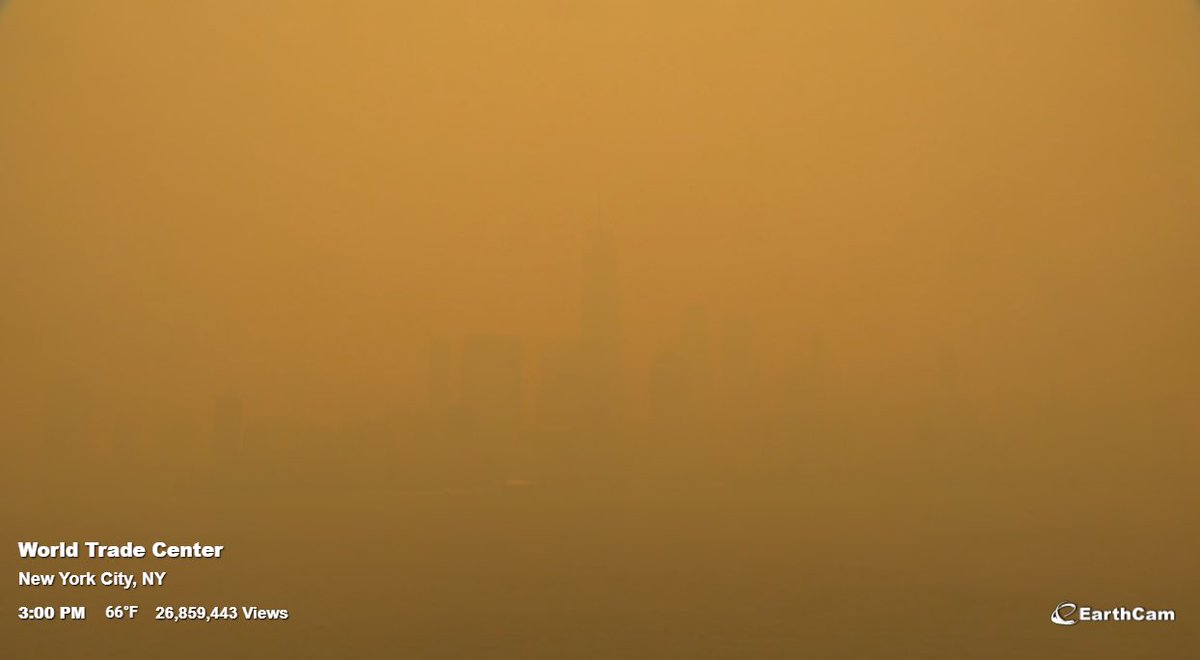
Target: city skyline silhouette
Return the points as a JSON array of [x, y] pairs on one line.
[[554, 329]]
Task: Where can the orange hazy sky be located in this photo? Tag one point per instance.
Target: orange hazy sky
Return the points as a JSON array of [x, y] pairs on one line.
[[290, 199]]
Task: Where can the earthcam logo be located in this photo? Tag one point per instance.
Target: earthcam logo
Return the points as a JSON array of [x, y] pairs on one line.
[[1063, 613], [1069, 614]]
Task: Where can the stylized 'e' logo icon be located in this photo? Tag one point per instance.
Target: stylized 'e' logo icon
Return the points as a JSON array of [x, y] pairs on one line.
[[1060, 614]]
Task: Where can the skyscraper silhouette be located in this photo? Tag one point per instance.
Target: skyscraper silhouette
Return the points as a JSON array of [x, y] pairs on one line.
[[578, 407], [600, 330]]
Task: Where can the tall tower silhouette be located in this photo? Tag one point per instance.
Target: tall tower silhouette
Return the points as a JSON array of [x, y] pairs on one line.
[[600, 328], [578, 402]]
